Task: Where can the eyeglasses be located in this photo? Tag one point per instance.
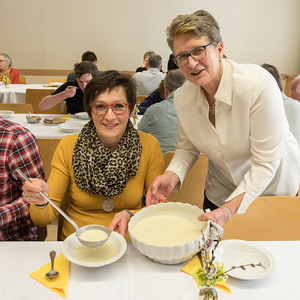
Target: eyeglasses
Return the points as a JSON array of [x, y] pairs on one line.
[[197, 54], [117, 108]]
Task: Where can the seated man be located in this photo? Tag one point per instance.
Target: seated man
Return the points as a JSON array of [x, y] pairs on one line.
[[6, 69], [18, 149], [155, 97], [291, 107], [144, 66], [147, 81], [160, 119], [86, 56], [72, 91]]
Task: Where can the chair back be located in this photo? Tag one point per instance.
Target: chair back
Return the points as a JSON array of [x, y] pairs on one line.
[[192, 190], [34, 97], [21, 108], [22, 79], [272, 218], [42, 233], [57, 80], [140, 99]]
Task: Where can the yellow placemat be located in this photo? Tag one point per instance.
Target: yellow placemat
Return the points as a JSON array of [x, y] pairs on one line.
[[58, 284], [65, 117], [194, 262]]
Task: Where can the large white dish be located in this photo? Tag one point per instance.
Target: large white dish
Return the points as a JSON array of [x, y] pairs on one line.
[[169, 254], [56, 84], [239, 252], [6, 113], [71, 241], [82, 115], [71, 126]]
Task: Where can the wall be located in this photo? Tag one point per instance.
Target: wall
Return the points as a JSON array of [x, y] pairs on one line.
[[53, 34]]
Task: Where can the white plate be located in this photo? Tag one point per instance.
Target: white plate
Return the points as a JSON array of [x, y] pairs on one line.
[[82, 115], [71, 126], [239, 252], [71, 241], [54, 84], [6, 113]]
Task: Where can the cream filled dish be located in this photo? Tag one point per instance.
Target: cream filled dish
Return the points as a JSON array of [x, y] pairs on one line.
[[165, 230], [102, 253]]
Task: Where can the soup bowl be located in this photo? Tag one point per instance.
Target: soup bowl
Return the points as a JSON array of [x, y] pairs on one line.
[[174, 253]]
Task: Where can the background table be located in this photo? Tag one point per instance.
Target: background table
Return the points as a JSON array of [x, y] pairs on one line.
[[135, 277], [16, 93]]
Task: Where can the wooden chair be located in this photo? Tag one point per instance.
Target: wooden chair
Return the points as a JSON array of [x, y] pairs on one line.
[[192, 190], [22, 79], [21, 108], [140, 99], [34, 96], [57, 80], [273, 218]]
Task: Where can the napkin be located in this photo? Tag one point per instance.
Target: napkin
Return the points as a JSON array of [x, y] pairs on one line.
[[194, 262], [58, 284], [65, 117]]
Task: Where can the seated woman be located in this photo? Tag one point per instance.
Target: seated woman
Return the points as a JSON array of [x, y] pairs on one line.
[[106, 168]]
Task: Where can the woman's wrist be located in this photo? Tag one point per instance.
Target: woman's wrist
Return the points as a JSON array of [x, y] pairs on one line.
[[130, 213]]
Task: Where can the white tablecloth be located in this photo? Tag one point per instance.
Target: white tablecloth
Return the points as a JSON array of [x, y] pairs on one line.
[[135, 277], [42, 131], [16, 93]]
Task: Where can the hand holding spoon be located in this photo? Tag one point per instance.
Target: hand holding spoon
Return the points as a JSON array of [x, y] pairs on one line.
[[52, 273]]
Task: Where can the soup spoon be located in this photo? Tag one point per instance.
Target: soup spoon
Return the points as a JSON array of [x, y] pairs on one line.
[[102, 232], [52, 273]]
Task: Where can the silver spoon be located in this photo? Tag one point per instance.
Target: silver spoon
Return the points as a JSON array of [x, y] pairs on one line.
[[79, 231], [52, 273]]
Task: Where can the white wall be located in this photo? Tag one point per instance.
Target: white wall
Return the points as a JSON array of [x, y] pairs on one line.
[[53, 34]]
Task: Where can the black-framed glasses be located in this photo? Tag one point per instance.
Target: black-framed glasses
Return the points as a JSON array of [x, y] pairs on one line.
[[101, 108], [197, 54]]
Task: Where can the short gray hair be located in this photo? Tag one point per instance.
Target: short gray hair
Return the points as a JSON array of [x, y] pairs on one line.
[[200, 22], [7, 58], [154, 61], [174, 80]]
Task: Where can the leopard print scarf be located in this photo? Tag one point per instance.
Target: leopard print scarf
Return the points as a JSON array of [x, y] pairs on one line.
[[97, 170]]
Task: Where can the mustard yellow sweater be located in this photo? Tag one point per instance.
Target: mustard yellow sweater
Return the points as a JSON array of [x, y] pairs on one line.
[[84, 208]]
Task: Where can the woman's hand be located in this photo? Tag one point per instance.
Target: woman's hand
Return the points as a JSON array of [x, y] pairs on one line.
[[31, 191], [219, 215], [120, 222], [161, 188]]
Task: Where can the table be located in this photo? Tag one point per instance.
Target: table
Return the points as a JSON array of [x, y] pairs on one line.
[[16, 93], [135, 277]]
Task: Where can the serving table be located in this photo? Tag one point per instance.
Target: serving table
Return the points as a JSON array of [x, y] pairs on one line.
[[135, 277], [16, 93]]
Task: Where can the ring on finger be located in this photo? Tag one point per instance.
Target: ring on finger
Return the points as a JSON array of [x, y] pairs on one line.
[[26, 197]]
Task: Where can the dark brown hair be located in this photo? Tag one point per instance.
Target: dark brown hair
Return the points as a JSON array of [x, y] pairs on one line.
[[109, 81]]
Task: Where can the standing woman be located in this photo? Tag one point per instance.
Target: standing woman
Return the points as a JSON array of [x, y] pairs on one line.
[[106, 168], [234, 115]]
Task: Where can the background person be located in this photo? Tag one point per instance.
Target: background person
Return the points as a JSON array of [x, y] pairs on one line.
[[295, 89], [18, 149], [291, 107], [147, 81], [86, 56], [234, 115], [5, 68], [156, 96], [72, 91], [106, 168], [144, 66], [160, 119]]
